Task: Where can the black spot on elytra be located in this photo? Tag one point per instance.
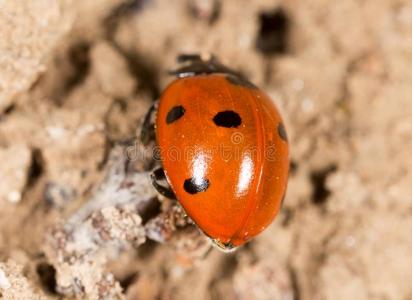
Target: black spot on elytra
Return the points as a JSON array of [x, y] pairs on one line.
[[192, 187], [282, 132], [237, 80], [228, 119], [273, 32], [175, 114]]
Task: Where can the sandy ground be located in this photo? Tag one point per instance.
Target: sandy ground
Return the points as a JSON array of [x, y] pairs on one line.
[[78, 221]]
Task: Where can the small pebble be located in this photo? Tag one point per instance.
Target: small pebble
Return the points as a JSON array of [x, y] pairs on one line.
[[4, 282]]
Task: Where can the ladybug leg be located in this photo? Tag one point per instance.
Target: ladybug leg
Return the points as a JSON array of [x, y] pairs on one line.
[[195, 64], [158, 175], [147, 133]]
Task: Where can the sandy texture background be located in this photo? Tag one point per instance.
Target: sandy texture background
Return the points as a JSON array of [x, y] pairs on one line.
[[79, 221]]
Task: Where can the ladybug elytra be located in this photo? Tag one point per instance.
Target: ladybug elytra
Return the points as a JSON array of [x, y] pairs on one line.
[[224, 151]]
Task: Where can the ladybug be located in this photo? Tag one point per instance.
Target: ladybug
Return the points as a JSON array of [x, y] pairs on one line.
[[224, 151]]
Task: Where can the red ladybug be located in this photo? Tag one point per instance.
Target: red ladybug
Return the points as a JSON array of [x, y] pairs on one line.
[[224, 151]]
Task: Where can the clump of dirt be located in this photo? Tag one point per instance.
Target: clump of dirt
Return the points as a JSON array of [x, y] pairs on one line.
[[78, 215]]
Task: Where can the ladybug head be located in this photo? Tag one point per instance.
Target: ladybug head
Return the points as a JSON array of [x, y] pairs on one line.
[[196, 64]]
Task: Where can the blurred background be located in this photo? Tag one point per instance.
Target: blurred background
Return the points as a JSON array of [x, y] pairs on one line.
[[78, 221]]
